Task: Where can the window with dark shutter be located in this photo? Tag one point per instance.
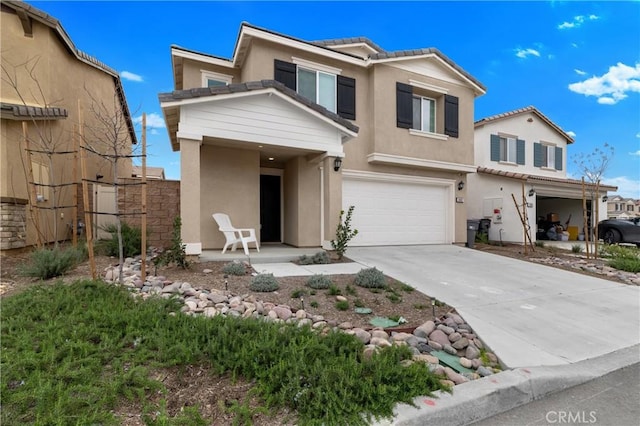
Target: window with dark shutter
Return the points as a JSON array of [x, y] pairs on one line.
[[558, 158], [520, 151], [404, 105], [285, 73], [346, 97], [538, 156], [451, 116], [495, 148]]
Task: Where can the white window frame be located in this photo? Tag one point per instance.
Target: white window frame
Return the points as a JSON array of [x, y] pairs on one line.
[[435, 115], [211, 75], [510, 149], [549, 153], [332, 108]]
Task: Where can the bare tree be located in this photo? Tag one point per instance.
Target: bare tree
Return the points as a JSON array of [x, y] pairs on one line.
[[592, 167], [109, 138]]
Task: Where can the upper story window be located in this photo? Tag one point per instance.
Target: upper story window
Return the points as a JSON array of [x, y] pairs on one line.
[[213, 79], [507, 149], [320, 84], [424, 114], [547, 156], [418, 111]]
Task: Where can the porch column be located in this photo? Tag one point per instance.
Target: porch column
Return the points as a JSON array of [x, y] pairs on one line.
[[332, 186], [190, 193]]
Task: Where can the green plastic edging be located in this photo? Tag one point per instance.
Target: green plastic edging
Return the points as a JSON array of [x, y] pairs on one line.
[[363, 310], [451, 361], [383, 322]]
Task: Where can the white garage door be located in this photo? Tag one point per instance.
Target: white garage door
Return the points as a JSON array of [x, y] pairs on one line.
[[395, 212]]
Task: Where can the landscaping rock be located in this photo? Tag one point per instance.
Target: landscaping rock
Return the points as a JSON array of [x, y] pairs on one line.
[[425, 329], [440, 337]]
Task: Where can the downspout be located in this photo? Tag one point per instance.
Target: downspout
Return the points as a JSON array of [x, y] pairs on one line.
[[321, 168]]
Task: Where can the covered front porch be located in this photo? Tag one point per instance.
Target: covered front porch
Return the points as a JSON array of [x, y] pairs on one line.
[[261, 154]]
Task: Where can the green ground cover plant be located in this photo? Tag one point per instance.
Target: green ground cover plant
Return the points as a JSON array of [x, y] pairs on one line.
[[72, 352], [621, 257]]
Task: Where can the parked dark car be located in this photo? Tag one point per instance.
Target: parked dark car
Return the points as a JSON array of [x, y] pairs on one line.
[[613, 231]]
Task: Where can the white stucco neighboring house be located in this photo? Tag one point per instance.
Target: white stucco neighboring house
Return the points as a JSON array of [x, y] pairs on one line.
[[522, 155]]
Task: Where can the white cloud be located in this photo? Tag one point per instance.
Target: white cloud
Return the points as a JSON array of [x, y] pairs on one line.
[[627, 188], [577, 21], [638, 135], [572, 134], [131, 76], [637, 153], [524, 53], [611, 87], [154, 121], [580, 72]]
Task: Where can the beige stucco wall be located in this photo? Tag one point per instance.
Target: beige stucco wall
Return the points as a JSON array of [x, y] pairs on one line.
[[230, 183], [192, 73], [302, 203], [62, 79]]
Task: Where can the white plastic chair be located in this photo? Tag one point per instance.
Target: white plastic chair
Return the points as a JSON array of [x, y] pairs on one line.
[[235, 235]]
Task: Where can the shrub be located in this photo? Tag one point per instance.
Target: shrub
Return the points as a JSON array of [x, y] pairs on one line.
[[176, 253], [334, 290], [344, 233], [577, 248], [539, 244], [234, 268], [296, 294], [350, 290], [342, 305], [314, 304], [616, 251], [370, 278], [320, 258], [394, 298], [625, 264], [131, 240], [49, 263], [264, 283], [319, 281], [358, 303]]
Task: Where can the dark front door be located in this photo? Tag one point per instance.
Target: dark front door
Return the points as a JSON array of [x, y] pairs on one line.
[[270, 208]]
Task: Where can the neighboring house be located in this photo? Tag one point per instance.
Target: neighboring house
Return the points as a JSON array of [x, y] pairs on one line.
[[523, 152], [63, 78], [152, 172], [622, 208], [287, 133]]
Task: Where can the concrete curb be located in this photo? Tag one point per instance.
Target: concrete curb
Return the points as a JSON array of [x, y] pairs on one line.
[[486, 397]]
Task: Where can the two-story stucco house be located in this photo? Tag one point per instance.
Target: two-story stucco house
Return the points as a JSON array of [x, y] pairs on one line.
[[45, 81], [522, 152], [287, 133], [619, 207]]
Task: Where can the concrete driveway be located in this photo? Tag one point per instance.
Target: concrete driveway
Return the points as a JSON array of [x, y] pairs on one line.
[[529, 314]]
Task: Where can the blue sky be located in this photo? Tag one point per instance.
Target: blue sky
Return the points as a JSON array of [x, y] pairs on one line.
[[577, 62]]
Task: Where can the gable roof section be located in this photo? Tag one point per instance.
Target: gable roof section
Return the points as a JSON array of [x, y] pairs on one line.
[[542, 179], [26, 12], [170, 103], [324, 48], [516, 112]]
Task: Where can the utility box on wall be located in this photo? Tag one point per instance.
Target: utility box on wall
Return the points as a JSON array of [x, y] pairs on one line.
[[492, 208]]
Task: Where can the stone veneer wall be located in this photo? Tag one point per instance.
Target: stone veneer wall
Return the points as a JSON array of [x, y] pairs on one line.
[[13, 223], [163, 205]]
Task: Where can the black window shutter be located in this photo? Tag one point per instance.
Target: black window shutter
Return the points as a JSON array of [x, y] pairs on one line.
[[285, 73], [495, 148], [538, 156], [404, 105], [520, 151], [558, 158], [451, 116], [346, 97]]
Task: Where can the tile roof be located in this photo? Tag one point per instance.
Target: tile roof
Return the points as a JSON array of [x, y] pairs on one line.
[[18, 111], [515, 112], [538, 178], [179, 95], [348, 40]]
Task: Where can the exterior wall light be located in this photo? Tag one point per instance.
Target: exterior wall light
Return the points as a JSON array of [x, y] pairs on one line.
[[337, 163], [532, 192], [605, 198], [460, 185]]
